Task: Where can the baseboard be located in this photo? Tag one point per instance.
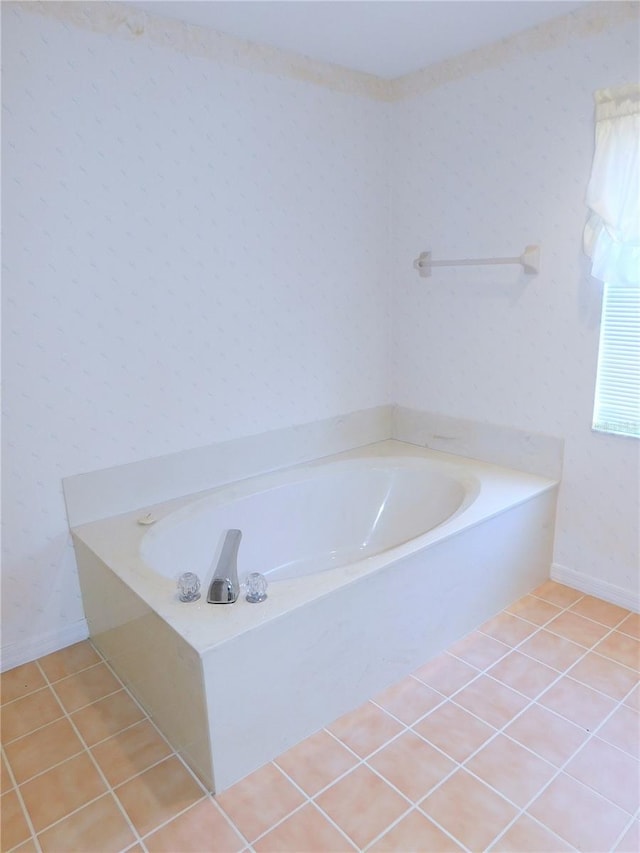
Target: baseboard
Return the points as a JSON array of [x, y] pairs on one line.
[[14, 654], [593, 586]]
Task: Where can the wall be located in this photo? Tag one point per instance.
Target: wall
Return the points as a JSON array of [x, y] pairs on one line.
[[199, 245], [193, 251], [487, 162]]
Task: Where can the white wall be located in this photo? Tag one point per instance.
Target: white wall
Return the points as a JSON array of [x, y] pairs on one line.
[[192, 251], [196, 250], [484, 165]]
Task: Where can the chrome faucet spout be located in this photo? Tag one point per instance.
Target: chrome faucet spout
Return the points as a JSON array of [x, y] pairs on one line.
[[224, 588]]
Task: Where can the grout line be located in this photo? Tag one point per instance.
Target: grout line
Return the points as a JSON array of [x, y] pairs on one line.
[[548, 829], [169, 820], [25, 813], [562, 769], [530, 703], [623, 833], [417, 809], [226, 817], [109, 789]]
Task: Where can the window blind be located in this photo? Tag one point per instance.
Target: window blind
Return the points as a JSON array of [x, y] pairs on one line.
[[617, 398]]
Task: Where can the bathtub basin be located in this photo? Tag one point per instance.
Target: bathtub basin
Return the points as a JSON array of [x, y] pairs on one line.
[[312, 519], [377, 560]]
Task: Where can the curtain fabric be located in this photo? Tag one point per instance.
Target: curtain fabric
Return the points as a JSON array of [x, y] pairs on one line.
[[612, 232]]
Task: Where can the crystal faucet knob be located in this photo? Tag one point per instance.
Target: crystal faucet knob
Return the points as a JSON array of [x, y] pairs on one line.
[[256, 587], [189, 587]]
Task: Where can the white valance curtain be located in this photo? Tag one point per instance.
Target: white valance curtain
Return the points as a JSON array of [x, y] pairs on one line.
[[612, 232]]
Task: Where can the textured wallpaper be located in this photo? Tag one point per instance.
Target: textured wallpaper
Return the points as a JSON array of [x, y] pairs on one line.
[[484, 166], [193, 252], [196, 250]]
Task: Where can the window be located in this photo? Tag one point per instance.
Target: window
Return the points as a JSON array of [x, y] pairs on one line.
[[617, 401], [612, 241]]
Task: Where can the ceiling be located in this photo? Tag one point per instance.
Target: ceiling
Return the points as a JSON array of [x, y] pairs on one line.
[[387, 38]]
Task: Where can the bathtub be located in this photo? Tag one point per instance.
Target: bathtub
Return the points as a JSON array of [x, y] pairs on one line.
[[312, 519], [377, 559]]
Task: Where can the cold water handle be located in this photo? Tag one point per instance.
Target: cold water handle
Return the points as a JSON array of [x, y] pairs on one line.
[[224, 588]]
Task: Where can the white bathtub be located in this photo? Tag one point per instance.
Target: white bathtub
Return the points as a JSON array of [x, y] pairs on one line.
[[311, 519], [377, 559]]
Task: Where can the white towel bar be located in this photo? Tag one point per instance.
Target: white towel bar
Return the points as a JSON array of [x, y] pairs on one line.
[[529, 260]]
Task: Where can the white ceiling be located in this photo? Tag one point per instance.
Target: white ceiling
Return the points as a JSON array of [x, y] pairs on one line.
[[388, 38]]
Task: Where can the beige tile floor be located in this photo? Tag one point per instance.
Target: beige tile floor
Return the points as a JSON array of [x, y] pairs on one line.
[[523, 736]]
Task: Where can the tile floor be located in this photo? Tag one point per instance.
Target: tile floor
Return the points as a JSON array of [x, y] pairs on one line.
[[525, 735]]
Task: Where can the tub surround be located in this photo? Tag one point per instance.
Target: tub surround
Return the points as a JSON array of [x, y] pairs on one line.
[[100, 494], [514, 448], [117, 541], [111, 491], [357, 629]]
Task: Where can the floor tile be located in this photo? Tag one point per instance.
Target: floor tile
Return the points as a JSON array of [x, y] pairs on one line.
[[365, 729], [130, 752], [557, 593], [469, 810], [202, 827], [579, 815], [511, 769], [609, 771], [622, 729], [415, 832], [630, 841], [259, 801], [548, 735], [508, 629], [362, 805], [523, 674], [24, 715], [528, 836], [40, 750], [446, 674], [604, 674], [306, 830], [454, 731], [85, 687], [15, 828], [69, 661], [534, 609], [411, 765], [622, 648], [631, 625], [158, 794], [491, 701], [107, 717], [408, 700], [99, 827], [576, 628], [479, 650], [552, 650], [577, 703], [316, 762], [600, 611], [61, 790], [20, 681], [369, 768]]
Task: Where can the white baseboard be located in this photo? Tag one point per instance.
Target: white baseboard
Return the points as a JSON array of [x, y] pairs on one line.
[[14, 654], [628, 598]]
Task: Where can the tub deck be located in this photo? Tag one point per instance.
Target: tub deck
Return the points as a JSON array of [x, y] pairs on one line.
[[233, 686]]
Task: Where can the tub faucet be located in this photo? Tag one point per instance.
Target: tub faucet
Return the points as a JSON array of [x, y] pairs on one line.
[[224, 588]]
